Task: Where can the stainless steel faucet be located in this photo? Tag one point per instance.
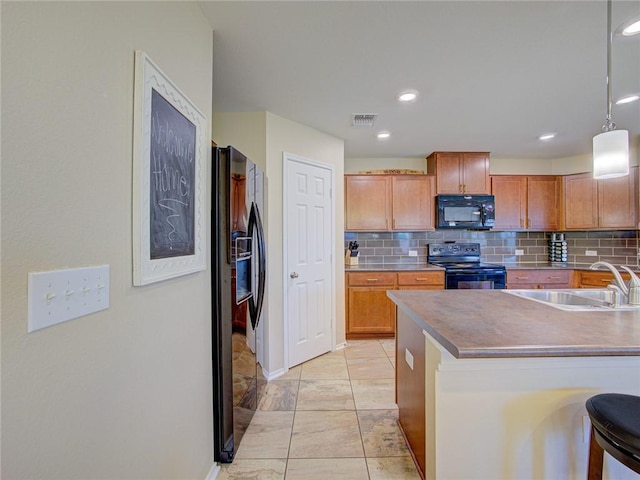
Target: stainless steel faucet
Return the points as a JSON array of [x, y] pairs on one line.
[[631, 291]]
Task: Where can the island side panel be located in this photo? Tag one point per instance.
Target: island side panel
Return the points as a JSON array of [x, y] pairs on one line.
[[517, 418], [410, 385]]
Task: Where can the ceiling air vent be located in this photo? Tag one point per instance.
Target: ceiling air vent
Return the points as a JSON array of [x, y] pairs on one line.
[[364, 119]]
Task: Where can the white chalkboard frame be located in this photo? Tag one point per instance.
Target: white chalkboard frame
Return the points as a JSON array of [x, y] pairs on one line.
[[149, 77]]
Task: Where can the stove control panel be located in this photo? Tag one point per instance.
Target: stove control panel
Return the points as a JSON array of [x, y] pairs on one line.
[[454, 250]]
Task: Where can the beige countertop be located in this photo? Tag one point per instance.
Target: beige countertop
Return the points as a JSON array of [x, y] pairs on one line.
[[400, 267], [491, 323], [558, 266]]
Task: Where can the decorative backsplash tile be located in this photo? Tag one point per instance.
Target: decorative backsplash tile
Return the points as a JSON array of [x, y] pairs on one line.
[[619, 247]]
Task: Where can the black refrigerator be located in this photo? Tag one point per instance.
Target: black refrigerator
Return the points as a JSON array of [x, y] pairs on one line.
[[238, 277]]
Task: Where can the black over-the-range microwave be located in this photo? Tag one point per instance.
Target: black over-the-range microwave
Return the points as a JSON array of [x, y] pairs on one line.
[[476, 212]]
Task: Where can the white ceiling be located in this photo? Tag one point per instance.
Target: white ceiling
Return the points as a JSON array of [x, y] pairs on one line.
[[492, 76]]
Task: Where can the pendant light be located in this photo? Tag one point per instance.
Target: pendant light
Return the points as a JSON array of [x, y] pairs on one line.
[[611, 147]]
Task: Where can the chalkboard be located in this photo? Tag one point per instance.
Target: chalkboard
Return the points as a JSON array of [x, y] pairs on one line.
[[172, 181]]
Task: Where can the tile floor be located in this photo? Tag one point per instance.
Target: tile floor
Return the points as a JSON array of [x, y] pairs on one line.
[[331, 417]]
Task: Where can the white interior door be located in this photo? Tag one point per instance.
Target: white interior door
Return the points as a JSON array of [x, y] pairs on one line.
[[308, 247]]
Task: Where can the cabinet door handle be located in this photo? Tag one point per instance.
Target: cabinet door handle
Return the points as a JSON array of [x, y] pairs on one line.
[[553, 278], [522, 278], [372, 279], [421, 279], [528, 223]]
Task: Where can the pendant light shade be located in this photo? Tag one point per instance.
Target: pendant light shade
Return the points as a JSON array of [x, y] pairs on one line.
[[611, 147], [611, 154]]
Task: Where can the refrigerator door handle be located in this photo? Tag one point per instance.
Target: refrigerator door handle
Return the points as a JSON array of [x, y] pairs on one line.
[[255, 225]]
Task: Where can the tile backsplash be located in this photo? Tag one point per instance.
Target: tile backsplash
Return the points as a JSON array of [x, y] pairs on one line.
[[619, 247]]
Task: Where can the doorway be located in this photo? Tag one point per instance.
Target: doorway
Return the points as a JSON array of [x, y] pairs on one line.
[[308, 229]]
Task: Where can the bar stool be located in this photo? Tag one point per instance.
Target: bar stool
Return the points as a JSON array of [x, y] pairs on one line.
[[615, 428]]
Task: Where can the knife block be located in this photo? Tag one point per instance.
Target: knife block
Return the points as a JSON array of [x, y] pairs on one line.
[[349, 260]]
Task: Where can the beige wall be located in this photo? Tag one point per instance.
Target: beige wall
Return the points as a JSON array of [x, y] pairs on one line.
[[498, 166], [126, 392], [245, 132]]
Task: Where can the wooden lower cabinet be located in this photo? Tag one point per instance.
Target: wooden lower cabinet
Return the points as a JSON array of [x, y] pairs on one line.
[[370, 313], [539, 278], [596, 279], [420, 280]]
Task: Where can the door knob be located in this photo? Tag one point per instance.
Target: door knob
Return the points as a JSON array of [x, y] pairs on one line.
[[293, 275]]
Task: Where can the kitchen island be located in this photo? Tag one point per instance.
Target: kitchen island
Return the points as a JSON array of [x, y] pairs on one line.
[[492, 386]]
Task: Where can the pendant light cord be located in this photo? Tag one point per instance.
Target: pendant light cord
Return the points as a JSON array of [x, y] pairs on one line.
[[609, 125]]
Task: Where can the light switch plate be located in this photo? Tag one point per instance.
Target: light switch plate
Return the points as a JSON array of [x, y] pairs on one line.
[[413, 253], [591, 253], [519, 252], [61, 295], [408, 358]]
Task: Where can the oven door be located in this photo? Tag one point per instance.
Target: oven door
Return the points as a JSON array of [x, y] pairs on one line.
[[486, 280]]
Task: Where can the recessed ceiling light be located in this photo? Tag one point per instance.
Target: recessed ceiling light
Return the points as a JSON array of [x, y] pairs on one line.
[[629, 28], [547, 136], [408, 96], [383, 135], [628, 99]]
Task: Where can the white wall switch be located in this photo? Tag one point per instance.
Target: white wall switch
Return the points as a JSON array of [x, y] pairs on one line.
[[61, 295], [413, 253], [591, 253], [408, 358], [519, 252]]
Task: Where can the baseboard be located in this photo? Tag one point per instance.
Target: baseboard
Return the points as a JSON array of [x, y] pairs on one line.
[[273, 375], [213, 473], [342, 345]]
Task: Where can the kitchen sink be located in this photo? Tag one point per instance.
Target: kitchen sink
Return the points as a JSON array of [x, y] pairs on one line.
[[579, 299]]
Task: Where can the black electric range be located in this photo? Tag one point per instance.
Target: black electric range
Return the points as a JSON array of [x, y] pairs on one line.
[[463, 268]]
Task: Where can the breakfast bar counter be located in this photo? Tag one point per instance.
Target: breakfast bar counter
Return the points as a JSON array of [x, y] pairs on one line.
[[491, 323], [490, 385]]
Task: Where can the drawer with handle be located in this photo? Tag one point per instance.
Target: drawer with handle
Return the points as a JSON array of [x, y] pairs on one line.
[[421, 278], [593, 279], [369, 279], [539, 278]]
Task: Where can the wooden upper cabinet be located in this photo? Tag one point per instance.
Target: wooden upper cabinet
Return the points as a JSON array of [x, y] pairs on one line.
[[475, 173], [610, 203], [412, 202], [618, 201], [527, 202], [367, 202], [510, 192], [580, 201], [544, 202], [388, 202], [460, 172]]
